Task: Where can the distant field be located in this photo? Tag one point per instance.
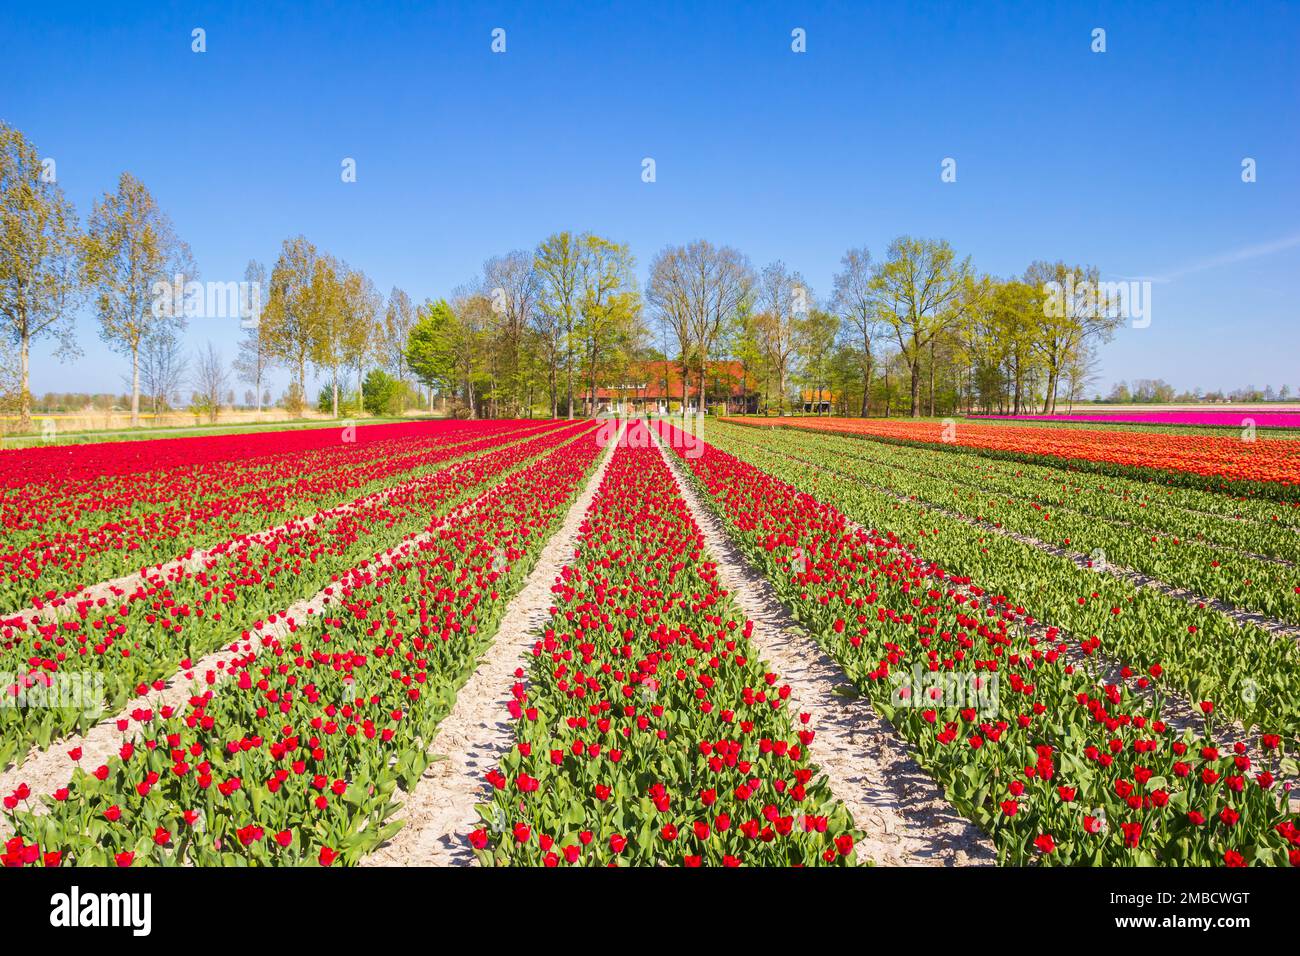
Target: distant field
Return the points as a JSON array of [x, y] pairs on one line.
[[194, 431], [1113, 423], [1226, 417]]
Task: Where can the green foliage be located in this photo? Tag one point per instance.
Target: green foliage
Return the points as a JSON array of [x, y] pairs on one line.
[[349, 402], [380, 393], [428, 350]]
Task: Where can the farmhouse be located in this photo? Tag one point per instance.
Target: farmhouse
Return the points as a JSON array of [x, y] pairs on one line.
[[656, 387]]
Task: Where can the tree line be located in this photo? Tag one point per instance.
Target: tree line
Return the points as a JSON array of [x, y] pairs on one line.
[[917, 331]]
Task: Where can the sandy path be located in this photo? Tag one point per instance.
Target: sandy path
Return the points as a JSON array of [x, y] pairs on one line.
[[907, 819], [440, 811]]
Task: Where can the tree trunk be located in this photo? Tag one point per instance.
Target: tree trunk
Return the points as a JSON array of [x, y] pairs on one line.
[[569, 373], [1050, 393], [24, 389], [135, 386], [915, 409], [932, 378], [335, 394], [866, 390]]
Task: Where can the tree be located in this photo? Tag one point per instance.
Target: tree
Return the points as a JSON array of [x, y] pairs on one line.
[[724, 281], [1014, 311], [698, 291], [1080, 372], [745, 347], [463, 339], [512, 284], [783, 299], [359, 323], [557, 263], [669, 295], [609, 307], [211, 379], [428, 355], [854, 299], [303, 290], [815, 336], [919, 288], [335, 336], [379, 393], [40, 269], [1078, 309], [254, 358], [140, 271], [399, 317], [9, 384], [162, 368]]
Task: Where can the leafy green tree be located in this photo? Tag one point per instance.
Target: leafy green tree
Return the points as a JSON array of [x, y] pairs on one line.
[[919, 290], [303, 289], [428, 352], [608, 328], [380, 393], [557, 264], [815, 336], [1081, 310]]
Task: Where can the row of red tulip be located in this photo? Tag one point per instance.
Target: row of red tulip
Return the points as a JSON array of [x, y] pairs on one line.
[[648, 730], [300, 751], [1057, 765], [113, 649], [71, 532], [1199, 653]]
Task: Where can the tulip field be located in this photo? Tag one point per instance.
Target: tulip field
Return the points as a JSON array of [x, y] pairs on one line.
[[1087, 642]]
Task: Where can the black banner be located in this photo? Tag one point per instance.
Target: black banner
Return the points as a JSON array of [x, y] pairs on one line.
[[954, 904]]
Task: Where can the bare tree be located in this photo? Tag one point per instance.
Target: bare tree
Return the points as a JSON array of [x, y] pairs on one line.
[[211, 380], [783, 299], [162, 369], [399, 316], [513, 286], [254, 359], [721, 282], [854, 301], [696, 291], [668, 293]]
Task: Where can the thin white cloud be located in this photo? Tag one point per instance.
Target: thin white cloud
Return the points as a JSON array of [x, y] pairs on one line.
[[1223, 259]]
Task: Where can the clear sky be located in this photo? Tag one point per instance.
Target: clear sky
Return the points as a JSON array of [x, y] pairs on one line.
[[1128, 159]]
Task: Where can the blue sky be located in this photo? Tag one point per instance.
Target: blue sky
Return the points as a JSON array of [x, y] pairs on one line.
[[1128, 159]]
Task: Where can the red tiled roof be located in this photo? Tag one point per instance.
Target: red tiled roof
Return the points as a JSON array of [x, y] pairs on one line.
[[646, 380]]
